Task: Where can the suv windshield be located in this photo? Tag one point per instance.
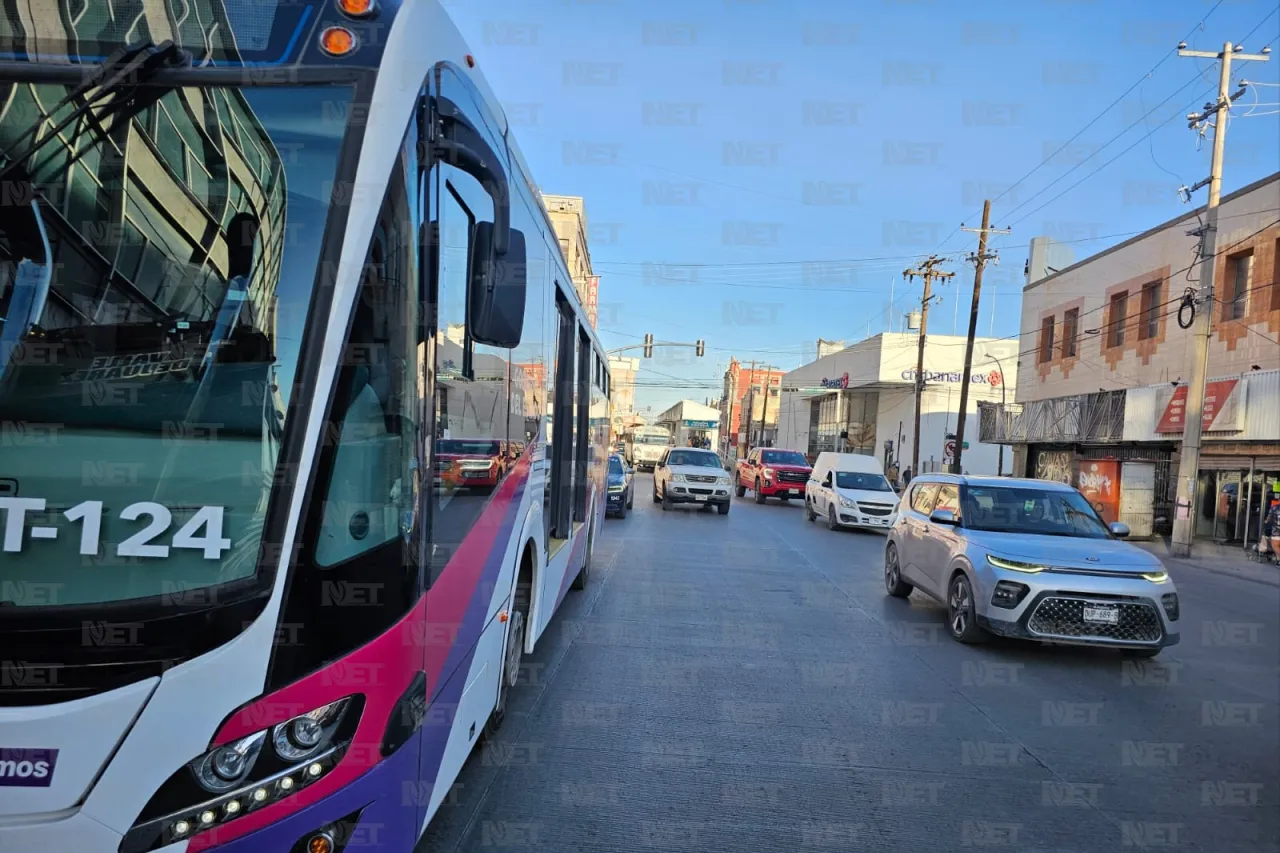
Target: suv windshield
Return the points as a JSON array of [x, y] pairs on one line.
[[783, 457], [153, 287], [700, 459], [1028, 510], [862, 482], [454, 447]]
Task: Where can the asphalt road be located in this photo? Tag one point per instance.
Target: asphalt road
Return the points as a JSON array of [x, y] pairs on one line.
[[743, 683]]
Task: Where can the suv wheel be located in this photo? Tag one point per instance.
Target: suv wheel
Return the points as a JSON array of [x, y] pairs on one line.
[[739, 489], [808, 511], [893, 582], [962, 620], [832, 523], [759, 494], [666, 504]]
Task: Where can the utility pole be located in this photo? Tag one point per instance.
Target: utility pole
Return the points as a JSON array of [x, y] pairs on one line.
[[980, 263], [927, 271], [1193, 413], [764, 409], [751, 412]]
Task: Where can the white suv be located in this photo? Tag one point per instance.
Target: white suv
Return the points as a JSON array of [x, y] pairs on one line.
[[690, 475]]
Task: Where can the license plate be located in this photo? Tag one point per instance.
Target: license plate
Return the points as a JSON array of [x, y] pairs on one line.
[[795, 491], [1108, 615], [699, 497]]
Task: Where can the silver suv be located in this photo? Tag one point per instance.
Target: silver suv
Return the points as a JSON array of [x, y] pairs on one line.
[[1029, 559]]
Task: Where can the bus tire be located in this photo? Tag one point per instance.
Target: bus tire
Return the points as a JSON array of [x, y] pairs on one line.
[[580, 580], [513, 651]]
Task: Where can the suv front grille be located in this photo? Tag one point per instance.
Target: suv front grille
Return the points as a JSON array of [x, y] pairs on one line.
[[875, 509], [793, 477], [1058, 616], [699, 478]]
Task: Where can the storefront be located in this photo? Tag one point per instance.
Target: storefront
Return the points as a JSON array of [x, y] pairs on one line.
[[692, 424], [862, 400], [1239, 461]]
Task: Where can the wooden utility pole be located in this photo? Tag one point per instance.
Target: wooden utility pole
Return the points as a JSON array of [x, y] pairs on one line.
[[764, 408], [751, 412], [1184, 517], [980, 262], [927, 271]]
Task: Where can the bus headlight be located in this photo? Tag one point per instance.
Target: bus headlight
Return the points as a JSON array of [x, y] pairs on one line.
[[243, 777]]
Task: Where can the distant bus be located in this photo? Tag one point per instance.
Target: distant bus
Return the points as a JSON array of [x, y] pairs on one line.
[[290, 355], [645, 446]]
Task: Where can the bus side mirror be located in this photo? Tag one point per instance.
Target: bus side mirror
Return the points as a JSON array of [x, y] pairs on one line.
[[498, 288]]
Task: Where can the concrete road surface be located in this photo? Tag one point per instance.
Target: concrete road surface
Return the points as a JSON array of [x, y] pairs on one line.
[[742, 683]]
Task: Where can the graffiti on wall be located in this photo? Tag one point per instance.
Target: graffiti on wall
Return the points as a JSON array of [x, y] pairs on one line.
[[1054, 465]]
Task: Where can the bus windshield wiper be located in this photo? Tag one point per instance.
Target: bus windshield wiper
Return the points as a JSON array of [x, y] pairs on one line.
[[119, 78]]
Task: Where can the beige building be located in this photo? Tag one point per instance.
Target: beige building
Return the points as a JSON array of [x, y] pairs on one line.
[[569, 218], [622, 378], [1104, 363]]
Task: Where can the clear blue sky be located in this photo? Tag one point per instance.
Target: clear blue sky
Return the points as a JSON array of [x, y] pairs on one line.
[[752, 136]]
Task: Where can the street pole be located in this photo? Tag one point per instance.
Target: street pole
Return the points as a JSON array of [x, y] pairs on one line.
[[980, 263], [764, 407], [1193, 413], [927, 271]]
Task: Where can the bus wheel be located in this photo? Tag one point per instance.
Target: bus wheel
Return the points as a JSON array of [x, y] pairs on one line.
[[580, 582], [510, 671]]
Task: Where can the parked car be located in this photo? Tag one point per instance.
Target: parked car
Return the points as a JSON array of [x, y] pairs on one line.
[[621, 494], [850, 490], [773, 474], [1028, 559], [689, 475]]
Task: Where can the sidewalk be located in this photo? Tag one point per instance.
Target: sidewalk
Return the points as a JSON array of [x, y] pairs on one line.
[[1229, 560]]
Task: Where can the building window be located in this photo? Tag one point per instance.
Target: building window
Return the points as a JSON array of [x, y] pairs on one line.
[[564, 247], [1070, 331], [1046, 340], [1237, 289], [1150, 325], [1119, 310]]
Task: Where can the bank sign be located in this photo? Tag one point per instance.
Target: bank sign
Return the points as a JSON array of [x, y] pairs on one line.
[[993, 378], [836, 382]]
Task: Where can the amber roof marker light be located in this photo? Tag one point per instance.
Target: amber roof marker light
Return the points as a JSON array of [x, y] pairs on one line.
[[337, 41], [358, 8]]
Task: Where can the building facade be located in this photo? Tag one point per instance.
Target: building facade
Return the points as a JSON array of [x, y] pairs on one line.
[[1106, 353], [862, 400], [692, 424], [622, 376], [569, 218], [742, 403]]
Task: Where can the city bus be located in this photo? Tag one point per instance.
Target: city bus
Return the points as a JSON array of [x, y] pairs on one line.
[[263, 267]]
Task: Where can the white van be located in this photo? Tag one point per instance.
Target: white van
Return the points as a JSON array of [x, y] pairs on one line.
[[850, 490]]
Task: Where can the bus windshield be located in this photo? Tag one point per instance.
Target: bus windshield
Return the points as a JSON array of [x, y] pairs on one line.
[[652, 438], [154, 286]]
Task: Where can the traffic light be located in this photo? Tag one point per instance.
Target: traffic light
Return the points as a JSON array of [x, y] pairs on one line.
[[648, 346], [701, 348]]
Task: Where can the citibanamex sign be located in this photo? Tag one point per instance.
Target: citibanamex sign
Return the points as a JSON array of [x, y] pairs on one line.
[[838, 382], [995, 378]]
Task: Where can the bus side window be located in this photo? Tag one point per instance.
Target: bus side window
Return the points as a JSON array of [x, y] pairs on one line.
[[370, 498]]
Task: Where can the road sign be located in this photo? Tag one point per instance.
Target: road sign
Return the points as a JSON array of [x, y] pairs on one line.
[[950, 451]]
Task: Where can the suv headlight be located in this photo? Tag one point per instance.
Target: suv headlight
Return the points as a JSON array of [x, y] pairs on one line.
[[245, 775], [848, 503], [1014, 565], [677, 478], [1157, 577], [723, 481]]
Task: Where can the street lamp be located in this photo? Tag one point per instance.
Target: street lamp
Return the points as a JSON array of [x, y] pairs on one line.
[[1000, 464]]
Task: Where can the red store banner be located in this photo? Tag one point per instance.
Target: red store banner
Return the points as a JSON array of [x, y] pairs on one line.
[[1217, 398]]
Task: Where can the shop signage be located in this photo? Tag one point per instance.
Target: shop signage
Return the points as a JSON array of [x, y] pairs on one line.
[[702, 424], [1099, 482], [837, 382], [1221, 408], [993, 378]]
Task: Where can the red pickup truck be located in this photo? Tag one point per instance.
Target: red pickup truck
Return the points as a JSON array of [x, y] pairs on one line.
[[773, 473]]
